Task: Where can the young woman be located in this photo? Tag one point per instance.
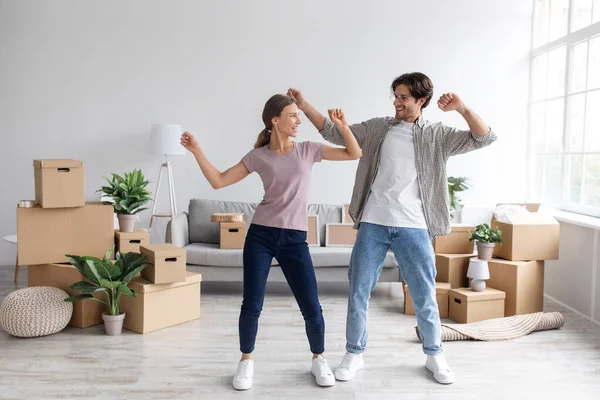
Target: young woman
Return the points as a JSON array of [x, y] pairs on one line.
[[279, 225]]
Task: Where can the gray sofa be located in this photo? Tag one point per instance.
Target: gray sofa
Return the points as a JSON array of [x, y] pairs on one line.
[[193, 231]]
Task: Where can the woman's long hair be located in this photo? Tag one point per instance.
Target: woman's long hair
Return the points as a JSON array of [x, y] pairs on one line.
[[273, 108]]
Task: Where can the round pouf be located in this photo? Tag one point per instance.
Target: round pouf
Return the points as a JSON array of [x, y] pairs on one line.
[[35, 311]]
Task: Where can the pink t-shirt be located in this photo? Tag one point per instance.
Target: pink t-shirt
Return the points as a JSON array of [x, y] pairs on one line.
[[286, 180]]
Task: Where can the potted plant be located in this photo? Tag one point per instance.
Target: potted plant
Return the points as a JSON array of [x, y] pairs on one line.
[[110, 277], [128, 194], [486, 238], [456, 185]]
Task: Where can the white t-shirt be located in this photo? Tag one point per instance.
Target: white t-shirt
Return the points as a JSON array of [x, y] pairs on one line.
[[395, 199]]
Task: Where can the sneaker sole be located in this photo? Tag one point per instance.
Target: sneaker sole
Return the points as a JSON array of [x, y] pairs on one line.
[[326, 385], [439, 380], [350, 377]]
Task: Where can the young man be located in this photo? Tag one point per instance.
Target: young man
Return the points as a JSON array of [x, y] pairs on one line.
[[400, 201]]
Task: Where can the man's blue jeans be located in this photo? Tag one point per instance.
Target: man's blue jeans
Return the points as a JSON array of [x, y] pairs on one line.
[[414, 253]]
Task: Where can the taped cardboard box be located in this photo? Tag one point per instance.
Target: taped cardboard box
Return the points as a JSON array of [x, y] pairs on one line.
[[59, 183], [161, 306], [167, 263], [467, 306], [441, 296], [127, 242], [452, 268], [86, 313], [232, 235], [523, 283], [529, 236], [46, 235], [456, 242]]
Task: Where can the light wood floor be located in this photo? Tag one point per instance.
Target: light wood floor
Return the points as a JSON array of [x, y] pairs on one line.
[[197, 360]]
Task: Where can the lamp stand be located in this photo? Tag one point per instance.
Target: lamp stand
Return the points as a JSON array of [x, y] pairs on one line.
[[166, 166]]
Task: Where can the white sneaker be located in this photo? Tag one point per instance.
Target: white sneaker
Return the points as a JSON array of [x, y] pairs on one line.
[[441, 371], [350, 364], [242, 380], [322, 372]]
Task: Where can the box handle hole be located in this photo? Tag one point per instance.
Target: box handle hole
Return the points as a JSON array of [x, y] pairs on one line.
[[457, 301], [171, 259], [135, 241], [234, 230], [64, 169]]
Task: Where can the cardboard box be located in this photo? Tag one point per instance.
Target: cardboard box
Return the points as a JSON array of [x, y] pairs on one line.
[[161, 306], [86, 313], [441, 295], [467, 306], [232, 235], [342, 234], [452, 268], [59, 183], [456, 242], [131, 241], [532, 236], [167, 263], [46, 235], [523, 283]]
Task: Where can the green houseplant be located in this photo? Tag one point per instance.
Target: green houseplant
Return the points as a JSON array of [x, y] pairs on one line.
[[486, 238], [110, 277], [456, 185], [128, 194]]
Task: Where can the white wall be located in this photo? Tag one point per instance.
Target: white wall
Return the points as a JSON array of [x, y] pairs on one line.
[[85, 79], [574, 279]]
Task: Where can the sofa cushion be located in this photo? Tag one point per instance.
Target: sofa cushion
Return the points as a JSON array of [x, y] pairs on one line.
[[211, 254], [200, 211], [340, 256]]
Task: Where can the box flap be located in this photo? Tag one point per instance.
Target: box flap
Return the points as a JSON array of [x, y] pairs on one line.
[[136, 234], [531, 207], [63, 163], [468, 295], [161, 250], [140, 285]]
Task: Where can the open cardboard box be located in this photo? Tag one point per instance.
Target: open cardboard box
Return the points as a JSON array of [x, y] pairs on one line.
[[530, 236]]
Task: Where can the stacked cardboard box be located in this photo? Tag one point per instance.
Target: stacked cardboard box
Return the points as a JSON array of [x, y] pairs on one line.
[[518, 264], [167, 294], [61, 223], [516, 271]]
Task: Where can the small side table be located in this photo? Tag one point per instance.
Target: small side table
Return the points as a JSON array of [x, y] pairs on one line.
[[13, 239]]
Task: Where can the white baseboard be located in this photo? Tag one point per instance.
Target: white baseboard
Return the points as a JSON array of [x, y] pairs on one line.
[[573, 310]]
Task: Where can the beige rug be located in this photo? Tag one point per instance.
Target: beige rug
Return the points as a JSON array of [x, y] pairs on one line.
[[501, 328]]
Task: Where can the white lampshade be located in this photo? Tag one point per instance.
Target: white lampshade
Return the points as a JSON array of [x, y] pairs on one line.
[[478, 269], [165, 139]]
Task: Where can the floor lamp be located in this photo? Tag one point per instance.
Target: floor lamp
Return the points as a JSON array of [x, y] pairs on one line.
[[165, 140]]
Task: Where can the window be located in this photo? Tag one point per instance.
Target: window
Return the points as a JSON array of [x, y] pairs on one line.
[[564, 110]]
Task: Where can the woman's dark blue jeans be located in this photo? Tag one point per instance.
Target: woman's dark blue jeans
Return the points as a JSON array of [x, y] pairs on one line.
[[289, 248]]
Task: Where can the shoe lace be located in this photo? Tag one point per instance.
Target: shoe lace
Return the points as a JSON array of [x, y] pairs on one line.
[[323, 367]]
